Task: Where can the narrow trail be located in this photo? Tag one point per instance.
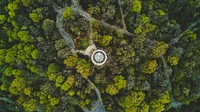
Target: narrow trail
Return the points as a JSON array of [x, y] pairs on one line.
[[98, 107]]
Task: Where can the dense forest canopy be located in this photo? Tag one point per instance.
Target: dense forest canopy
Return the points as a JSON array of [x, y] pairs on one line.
[[153, 49]]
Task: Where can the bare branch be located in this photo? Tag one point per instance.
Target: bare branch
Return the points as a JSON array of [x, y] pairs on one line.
[[175, 40], [77, 8], [122, 15]]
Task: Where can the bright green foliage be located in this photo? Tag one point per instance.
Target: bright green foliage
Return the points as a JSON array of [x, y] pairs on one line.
[[102, 40], [134, 99], [48, 26], [105, 40], [71, 93], [11, 14], [59, 80], [83, 67], [54, 101], [136, 6], [12, 6], [52, 71], [52, 76], [149, 67], [21, 99], [2, 19], [189, 36], [11, 55], [17, 86], [68, 13], [30, 105], [68, 83], [27, 91], [25, 37], [160, 48], [158, 105], [144, 25], [132, 109], [119, 82], [111, 89], [18, 72], [71, 61], [161, 12], [3, 87], [143, 107], [173, 60], [36, 15], [15, 25], [28, 48], [8, 71], [36, 69], [35, 54], [45, 93]]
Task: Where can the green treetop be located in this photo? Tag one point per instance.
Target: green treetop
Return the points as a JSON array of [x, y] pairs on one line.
[[119, 81], [132, 101], [24, 36], [83, 67], [68, 13], [149, 67], [68, 83], [30, 105], [173, 60], [17, 86], [2, 19], [136, 6], [105, 40], [160, 48], [71, 61], [36, 15], [111, 89]]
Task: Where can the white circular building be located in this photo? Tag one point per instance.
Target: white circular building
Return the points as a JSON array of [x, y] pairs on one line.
[[99, 57]]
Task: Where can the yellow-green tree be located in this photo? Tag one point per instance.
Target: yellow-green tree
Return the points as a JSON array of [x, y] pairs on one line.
[[149, 67], [2, 19], [173, 60], [83, 67], [36, 15], [54, 101], [158, 105], [68, 13], [132, 101], [59, 80], [119, 82], [68, 83], [111, 89], [136, 6], [71, 61], [17, 86], [30, 105], [105, 40], [160, 48]]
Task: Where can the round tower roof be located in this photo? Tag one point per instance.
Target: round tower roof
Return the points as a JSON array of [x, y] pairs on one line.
[[99, 57]]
